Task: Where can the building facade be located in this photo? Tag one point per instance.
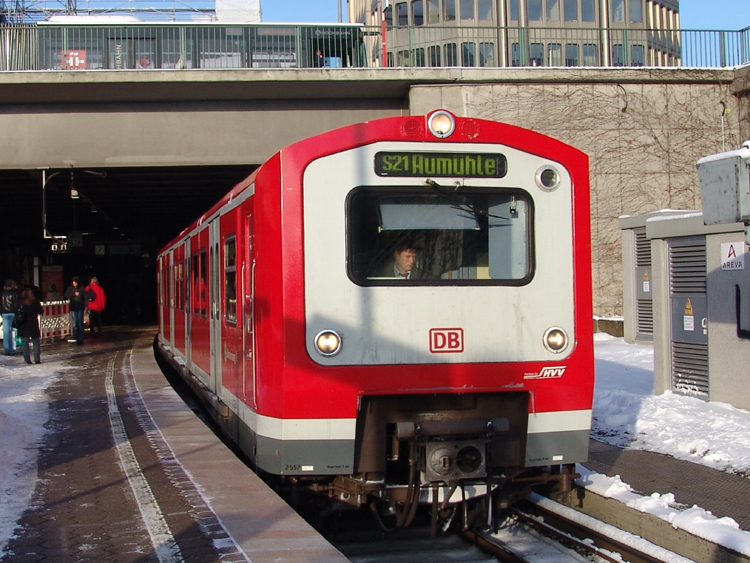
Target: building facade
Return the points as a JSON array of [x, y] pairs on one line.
[[491, 33]]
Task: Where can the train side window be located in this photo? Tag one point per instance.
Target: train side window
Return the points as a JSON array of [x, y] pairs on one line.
[[230, 280], [203, 285], [195, 294], [480, 237]]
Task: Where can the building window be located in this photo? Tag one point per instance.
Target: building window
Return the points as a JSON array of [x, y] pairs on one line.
[[388, 15], [486, 54], [536, 54], [637, 54], [514, 10], [468, 54], [554, 54], [636, 11], [402, 14], [419, 57], [570, 10], [389, 59], [618, 11], [535, 10], [451, 54], [467, 9], [433, 11], [485, 10], [403, 58], [553, 10], [515, 55], [587, 11], [434, 53], [571, 55], [417, 12], [590, 55], [618, 58], [449, 10]]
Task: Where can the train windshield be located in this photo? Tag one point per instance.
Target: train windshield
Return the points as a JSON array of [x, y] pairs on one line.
[[426, 236]]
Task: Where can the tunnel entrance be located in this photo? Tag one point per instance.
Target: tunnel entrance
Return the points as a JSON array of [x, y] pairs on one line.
[[103, 222]]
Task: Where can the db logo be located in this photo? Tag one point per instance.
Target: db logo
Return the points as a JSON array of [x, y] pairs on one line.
[[446, 340]]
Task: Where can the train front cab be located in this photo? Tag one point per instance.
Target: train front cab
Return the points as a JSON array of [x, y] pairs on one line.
[[482, 364]]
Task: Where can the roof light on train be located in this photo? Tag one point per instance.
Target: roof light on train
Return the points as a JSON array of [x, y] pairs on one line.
[[441, 124], [548, 178], [328, 343], [555, 340]]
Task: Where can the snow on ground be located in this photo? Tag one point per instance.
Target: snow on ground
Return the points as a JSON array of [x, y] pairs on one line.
[[626, 414]]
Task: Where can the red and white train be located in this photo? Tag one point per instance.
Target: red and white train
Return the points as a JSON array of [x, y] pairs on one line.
[[286, 306]]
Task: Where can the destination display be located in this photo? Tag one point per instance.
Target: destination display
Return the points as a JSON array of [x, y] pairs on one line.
[[465, 165]]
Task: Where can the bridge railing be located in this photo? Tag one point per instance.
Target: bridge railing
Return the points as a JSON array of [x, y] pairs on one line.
[[145, 46]]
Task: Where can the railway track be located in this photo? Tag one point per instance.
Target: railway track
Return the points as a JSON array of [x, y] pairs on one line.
[[538, 531]]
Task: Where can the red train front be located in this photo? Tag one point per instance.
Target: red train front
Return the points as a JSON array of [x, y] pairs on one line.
[[396, 310]]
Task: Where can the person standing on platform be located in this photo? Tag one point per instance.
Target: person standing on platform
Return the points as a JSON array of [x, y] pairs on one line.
[[29, 328], [74, 294], [9, 304], [95, 301]]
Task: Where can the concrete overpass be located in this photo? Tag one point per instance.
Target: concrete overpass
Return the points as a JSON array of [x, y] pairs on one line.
[[643, 128]]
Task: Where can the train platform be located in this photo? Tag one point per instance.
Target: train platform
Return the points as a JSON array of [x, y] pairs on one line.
[[127, 472]]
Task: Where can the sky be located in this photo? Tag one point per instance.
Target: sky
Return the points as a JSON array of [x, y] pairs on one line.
[[626, 413], [694, 14]]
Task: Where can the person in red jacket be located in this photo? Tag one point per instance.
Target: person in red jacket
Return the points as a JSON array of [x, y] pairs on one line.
[[95, 301]]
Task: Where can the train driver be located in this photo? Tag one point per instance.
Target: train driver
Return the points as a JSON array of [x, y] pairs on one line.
[[403, 266]]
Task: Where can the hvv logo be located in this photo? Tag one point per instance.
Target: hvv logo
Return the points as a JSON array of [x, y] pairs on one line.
[[446, 340], [548, 372]]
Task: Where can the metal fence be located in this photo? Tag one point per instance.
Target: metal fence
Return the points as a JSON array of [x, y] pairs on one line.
[[52, 46]]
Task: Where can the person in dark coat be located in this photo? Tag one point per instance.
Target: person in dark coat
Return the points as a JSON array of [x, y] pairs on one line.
[[75, 295], [403, 266], [9, 304], [29, 329]]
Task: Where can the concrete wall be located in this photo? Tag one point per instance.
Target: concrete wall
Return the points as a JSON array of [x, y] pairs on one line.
[[643, 131]]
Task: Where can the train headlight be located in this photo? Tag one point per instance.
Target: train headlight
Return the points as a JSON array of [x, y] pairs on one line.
[[555, 340], [328, 343], [548, 178], [441, 124]]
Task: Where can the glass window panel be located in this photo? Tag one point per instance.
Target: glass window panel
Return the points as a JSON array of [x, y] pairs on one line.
[[515, 55], [419, 57], [637, 54], [590, 55], [467, 9], [535, 10], [434, 52], [553, 10], [571, 55], [388, 15], [536, 54], [230, 281], [403, 58], [433, 11], [618, 11], [587, 11], [468, 54], [617, 55], [451, 54], [485, 10], [636, 11], [514, 10], [417, 12], [449, 10], [486, 54], [493, 249], [402, 14], [570, 9], [554, 54]]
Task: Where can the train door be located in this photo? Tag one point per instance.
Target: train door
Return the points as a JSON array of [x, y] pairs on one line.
[[214, 295], [200, 340], [248, 303], [230, 250], [168, 303], [179, 298], [188, 302]]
